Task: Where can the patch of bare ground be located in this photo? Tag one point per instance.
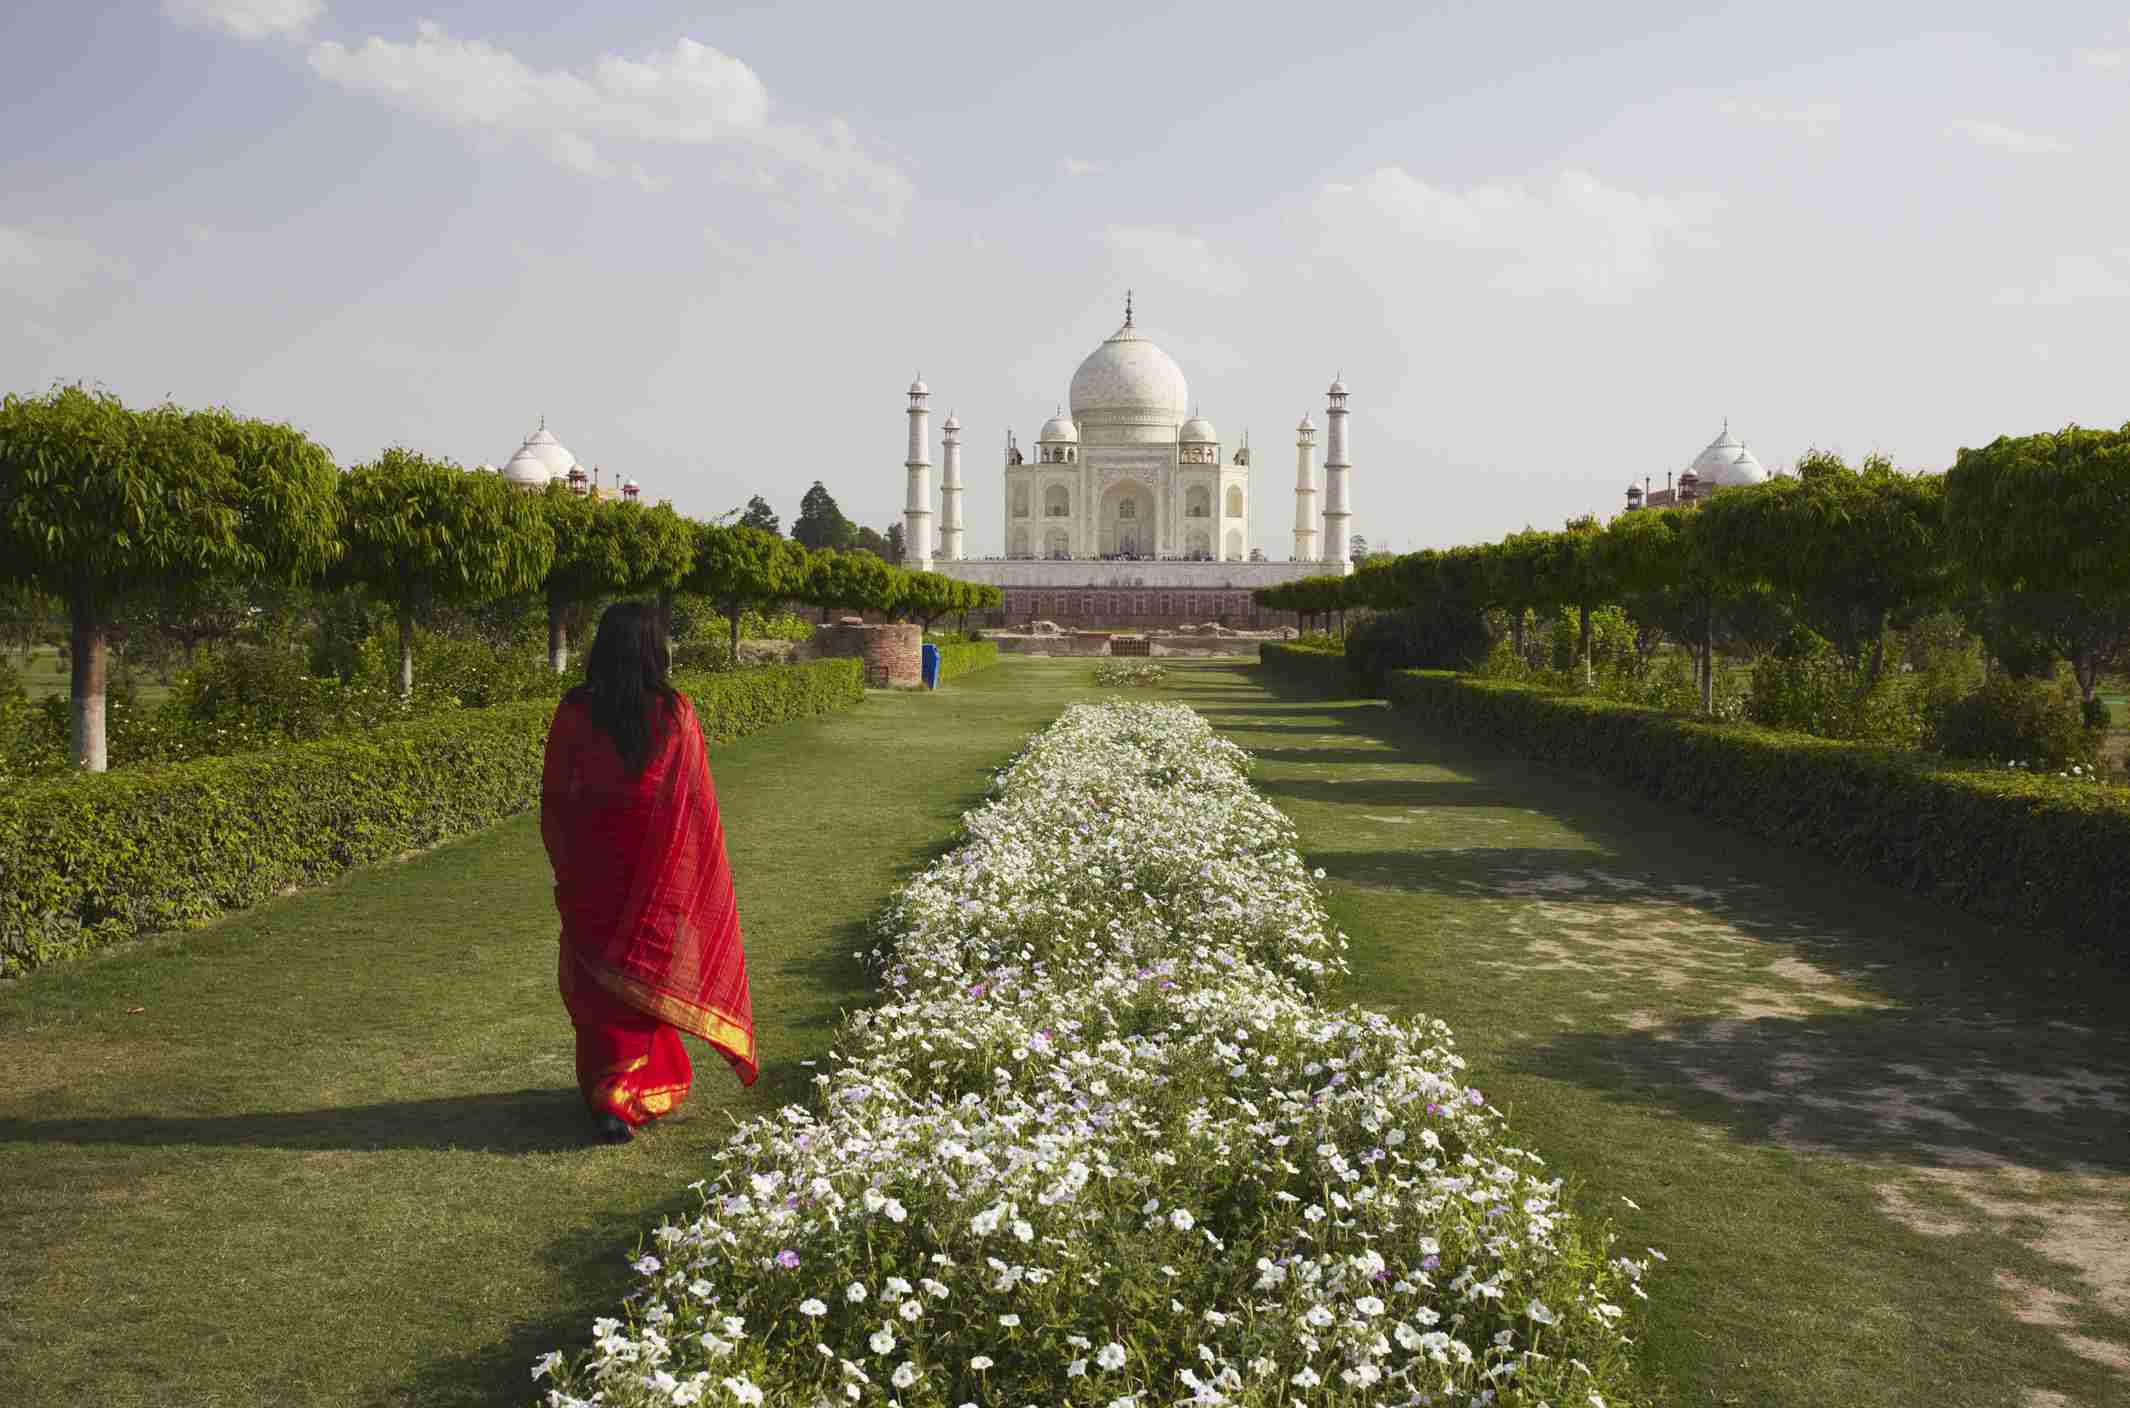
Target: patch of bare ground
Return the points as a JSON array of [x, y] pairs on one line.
[[34, 1064]]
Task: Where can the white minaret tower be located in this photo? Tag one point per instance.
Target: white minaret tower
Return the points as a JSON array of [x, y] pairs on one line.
[[950, 490], [1305, 492], [917, 507], [1338, 544]]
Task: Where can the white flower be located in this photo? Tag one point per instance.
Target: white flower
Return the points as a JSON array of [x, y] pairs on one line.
[[1306, 1377], [1110, 1356], [896, 1212], [547, 1364], [744, 1391], [1076, 1369], [1369, 1305], [1023, 1230], [883, 1340], [854, 1293], [1009, 1321], [910, 1310], [811, 1306], [905, 1374], [1537, 1311], [1181, 1220], [980, 1363]]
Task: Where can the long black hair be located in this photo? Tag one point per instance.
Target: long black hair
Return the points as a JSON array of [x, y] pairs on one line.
[[625, 684]]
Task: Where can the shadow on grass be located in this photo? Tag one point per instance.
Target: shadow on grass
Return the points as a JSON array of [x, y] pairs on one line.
[[1318, 757], [514, 1122], [1882, 1085], [1391, 792], [1504, 872]]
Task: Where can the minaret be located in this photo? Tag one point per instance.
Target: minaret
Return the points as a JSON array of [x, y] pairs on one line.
[[1305, 492], [917, 507], [1338, 514], [950, 490]]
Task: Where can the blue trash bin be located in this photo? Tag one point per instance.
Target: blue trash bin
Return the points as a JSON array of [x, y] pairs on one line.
[[931, 665]]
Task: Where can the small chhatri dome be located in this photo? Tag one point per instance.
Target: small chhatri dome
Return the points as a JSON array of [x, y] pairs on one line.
[[1338, 387], [485, 468], [1059, 429], [1727, 461], [952, 423], [918, 388], [1307, 424], [1198, 431]]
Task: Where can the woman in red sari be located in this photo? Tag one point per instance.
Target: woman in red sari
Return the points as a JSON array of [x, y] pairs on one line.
[[650, 932]]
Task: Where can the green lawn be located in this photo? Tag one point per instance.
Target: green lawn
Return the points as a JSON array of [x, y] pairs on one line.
[[44, 674], [337, 1157], [1883, 1145], [330, 1151]]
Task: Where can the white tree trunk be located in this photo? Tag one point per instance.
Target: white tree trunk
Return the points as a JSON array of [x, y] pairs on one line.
[[89, 654]]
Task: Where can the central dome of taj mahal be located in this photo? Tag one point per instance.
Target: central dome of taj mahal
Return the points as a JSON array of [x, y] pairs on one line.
[[1129, 382]]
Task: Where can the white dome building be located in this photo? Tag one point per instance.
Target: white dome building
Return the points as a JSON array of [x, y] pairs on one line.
[[1727, 462], [542, 459], [1130, 391]]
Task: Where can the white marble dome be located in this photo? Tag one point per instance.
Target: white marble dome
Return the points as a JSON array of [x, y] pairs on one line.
[[1058, 430], [1128, 382], [542, 457], [1727, 462], [1198, 431]]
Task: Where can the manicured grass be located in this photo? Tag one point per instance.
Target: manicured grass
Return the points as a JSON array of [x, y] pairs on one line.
[[1882, 1144], [44, 674], [330, 1150]]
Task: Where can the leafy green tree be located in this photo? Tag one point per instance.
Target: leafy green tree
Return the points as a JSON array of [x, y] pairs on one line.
[[854, 581], [927, 596], [422, 532], [1854, 551], [2042, 522], [820, 523], [740, 568], [1578, 575], [1519, 579], [896, 546], [759, 516], [603, 547], [101, 505]]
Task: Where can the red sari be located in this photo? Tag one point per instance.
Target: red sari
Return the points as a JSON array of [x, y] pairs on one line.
[[650, 931]]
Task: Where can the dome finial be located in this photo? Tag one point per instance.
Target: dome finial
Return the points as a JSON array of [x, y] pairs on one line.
[[1127, 307]]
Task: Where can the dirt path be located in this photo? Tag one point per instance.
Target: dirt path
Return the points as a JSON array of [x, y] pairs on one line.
[[1885, 1147]]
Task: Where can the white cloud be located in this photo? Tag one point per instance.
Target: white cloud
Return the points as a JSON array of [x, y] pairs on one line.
[[1175, 256], [1577, 235], [246, 19], [690, 95], [44, 269], [2110, 59], [2005, 139], [1075, 166], [1816, 119], [2076, 278]]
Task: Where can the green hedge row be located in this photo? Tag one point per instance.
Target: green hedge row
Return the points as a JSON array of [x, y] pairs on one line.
[[2001, 844], [92, 860], [1307, 664], [966, 657]]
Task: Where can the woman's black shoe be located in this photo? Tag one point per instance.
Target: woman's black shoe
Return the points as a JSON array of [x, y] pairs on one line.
[[612, 1129]]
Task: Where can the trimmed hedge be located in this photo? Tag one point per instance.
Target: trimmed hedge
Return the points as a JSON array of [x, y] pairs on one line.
[[1305, 664], [2004, 845], [966, 657], [92, 860]]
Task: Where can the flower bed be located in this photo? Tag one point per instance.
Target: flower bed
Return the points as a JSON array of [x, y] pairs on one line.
[[1129, 674], [1103, 1144]]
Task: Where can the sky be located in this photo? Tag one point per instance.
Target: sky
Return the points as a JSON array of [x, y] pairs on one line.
[[1550, 247]]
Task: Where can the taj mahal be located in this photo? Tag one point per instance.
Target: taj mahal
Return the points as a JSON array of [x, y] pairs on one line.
[[1127, 512]]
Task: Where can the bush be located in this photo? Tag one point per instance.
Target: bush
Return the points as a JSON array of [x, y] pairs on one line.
[[1128, 674], [958, 658], [2006, 845], [87, 860], [1816, 691], [1438, 637], [2036, 723], [1324, 669]]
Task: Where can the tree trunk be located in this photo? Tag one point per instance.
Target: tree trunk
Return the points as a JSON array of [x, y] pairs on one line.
[[557, 637], [734, 615], [1589, 664], [1516, 635], [665, 620], [2085, 668], [1708, 669], [406, 651], [88, 652]]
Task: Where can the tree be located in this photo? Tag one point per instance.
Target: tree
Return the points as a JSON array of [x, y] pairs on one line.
[[2040, 522], [897, 545], [740, 567], [100, 505], [855, 581], [1854, 551], [820, 523], [603, 547], [1357, 548], [929, 596], [759, 516], [422, 532], [866, 540], [1577, 575]]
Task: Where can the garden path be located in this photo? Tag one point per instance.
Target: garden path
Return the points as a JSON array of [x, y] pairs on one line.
[[1883, 1145], [330, 1151]]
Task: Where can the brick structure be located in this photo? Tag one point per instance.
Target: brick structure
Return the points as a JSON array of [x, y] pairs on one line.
[[893, 654], [1133, 607]]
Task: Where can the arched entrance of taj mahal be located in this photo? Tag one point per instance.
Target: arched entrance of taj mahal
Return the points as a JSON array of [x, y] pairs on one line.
[[1125, 526]]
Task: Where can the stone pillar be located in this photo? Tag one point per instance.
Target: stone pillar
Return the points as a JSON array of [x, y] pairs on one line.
[[1338, 514], [1305, 546], [917, 505], [950, 491]]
